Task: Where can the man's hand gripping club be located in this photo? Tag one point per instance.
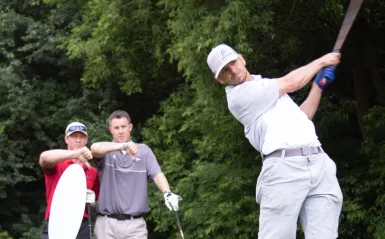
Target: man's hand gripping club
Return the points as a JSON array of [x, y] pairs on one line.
[[326, 75], [171, 200]]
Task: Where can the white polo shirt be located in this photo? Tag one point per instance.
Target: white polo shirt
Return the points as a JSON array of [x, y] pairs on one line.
[[271, 121]]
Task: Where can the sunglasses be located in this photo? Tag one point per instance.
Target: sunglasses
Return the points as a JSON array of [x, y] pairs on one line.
[[74, 128]]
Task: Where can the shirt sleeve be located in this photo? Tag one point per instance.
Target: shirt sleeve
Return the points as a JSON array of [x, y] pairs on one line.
[[152, 164], [251, 99], [49, 171]]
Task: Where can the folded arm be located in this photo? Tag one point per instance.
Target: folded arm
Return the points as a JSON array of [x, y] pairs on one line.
[[101, 148], [49, 158]]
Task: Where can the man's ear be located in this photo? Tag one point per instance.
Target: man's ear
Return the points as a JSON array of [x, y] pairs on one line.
[[130, 127], [219, 80]]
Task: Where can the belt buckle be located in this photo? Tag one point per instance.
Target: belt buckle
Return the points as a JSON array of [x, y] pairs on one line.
[[121, 217], [306, 151]]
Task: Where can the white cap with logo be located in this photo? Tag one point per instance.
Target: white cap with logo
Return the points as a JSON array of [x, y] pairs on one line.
[[220, 56], [76, 127]]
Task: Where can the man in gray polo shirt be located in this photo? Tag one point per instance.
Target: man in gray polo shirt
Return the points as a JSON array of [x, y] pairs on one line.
[[297, 178], [124, 169]]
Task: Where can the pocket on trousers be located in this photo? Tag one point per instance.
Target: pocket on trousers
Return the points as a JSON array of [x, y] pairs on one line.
[[99, 227], [267, 171], [331, 165]]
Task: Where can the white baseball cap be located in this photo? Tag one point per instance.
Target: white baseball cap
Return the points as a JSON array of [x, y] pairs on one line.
[[220, 56], [76, 127]]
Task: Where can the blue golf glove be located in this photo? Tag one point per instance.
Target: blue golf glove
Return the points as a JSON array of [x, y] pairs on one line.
[[327, 73]]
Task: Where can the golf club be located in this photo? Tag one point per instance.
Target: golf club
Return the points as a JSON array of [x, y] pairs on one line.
[[179, 225], [350, 16], [89, 218]]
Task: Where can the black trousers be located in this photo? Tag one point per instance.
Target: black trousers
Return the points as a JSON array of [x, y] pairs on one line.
[[84, 231]]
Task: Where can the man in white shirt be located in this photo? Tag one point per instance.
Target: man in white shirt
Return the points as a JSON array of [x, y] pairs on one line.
[[297, 177]]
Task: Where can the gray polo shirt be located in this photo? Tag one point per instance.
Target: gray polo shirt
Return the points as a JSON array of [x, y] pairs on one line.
[[123, 183]]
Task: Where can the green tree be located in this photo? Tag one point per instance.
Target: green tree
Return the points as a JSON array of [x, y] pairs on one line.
[[149, 58], [40, 93]]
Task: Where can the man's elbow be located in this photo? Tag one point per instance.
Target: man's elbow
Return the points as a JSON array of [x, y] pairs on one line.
[[94, 149], [43, 161], [158, 176]]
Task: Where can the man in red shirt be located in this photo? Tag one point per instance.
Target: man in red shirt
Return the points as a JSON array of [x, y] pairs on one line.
[[54, 162]]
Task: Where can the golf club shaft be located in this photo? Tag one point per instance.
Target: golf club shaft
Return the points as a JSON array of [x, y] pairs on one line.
[[89, 218], [350, 16], [179, 225]]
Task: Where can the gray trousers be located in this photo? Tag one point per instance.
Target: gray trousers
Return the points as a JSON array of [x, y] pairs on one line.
[[300, 186], [111, 228]]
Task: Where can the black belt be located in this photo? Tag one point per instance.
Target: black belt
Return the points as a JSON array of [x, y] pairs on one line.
[[295, 152], [121, 217]]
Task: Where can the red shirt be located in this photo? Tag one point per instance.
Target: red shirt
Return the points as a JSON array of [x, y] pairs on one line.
[[52, 176]]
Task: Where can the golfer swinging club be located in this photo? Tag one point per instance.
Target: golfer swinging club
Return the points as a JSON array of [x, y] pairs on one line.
[[297, 178]]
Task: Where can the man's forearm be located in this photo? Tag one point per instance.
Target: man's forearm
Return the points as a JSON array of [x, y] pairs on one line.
[[300, 77], [162, 183], [51, 157], [310, 105], [99, 149]]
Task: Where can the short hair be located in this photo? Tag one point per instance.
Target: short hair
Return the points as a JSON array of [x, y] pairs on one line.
[[118, 115]]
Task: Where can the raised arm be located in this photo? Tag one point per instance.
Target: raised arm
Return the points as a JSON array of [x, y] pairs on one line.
[[49, 158], [99, 149], [298, 78]]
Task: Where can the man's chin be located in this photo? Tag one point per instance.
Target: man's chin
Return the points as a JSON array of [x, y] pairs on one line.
[[240, 81]]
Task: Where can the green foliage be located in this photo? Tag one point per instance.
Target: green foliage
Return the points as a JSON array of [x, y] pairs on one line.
[[122, 42], [196, 123], [201, 161], [4, 235], [39, 94], [149, 58]]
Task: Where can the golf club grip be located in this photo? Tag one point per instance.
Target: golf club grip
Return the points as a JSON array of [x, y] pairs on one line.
[[89, 218], [324, 79]]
